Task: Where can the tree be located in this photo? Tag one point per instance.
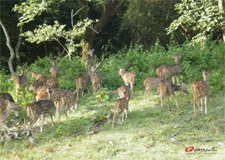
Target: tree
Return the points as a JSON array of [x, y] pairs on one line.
[[82, 34], [221, 10], [198, 19]]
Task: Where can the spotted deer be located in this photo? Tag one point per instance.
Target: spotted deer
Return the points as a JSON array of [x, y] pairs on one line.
[[128, 78], [38, 90], [37, 110], [83, 81], [21, 81], [167, 88], [201, 90], [90, 60], [6, 107], [165, 71], [42, 78], [121, 105], [55, 95], [124, 91], [53, 82], [54, 69], [69, 101], [149, 83], [7, 96], [96, 78]]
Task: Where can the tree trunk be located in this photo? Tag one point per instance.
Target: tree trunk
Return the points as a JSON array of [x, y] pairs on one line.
[[18, 44], [221, 10], [91, 34], [8, 43]]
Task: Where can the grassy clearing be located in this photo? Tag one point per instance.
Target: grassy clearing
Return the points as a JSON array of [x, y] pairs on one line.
[[145, 126]]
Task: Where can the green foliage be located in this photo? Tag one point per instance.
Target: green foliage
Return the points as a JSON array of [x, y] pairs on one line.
[[202, 17]]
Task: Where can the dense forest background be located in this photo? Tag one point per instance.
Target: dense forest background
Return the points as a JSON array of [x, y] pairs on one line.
[[110, 26]]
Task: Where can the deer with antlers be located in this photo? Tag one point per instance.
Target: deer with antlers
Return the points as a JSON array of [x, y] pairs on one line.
[[21, 81], [165, 71], [83, 81], [121, 105], [128, 78], [201, 90], [36, 110], [90, 60], [96, 78], [149, 83], [167, 88], [6, 106]]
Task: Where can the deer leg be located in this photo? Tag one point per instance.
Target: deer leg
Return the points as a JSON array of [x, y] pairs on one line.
[[178, 79], [202, 101], [168, 98], [42, 121], [32, 123], [146, 95], [206, 103], [175, 100], [114, 117], [173, 77], [52, 120], [126, 113], [162, 101]]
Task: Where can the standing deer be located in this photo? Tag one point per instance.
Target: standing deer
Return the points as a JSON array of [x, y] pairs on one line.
[[7, 96], [200, 89], [37, 110], [55, 95], [83, 81], [53, 82], [54, 69], [21, 81], [121, 105], [165, 71], [128, 78], [167, 88], [6, 108], [96, 78], [124, 91], [149, 83], [90, 60], [40, 77]]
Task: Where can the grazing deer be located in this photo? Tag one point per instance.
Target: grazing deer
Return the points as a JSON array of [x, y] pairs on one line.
[[121, 106], [124, 91], [6, 108], [149, 83], [128, 78], [53, 82], [165, 71], [83, 81], [96, 78], [167, 88], [90, 60], [54, 69], [55, 95], [37, 110], [200, 89], [68, 99], [21, 81], [39, 77]]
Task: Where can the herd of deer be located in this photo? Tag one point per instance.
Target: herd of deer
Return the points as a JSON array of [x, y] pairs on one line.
[[50, 96]]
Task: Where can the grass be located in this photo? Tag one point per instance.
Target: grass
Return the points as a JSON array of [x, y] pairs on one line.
[[146, 125]]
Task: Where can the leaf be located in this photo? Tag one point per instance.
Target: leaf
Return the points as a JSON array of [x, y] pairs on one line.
[[30, 146], [148, 146], [18, 155], [49, 150]]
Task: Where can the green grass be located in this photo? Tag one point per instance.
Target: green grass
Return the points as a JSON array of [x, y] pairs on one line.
[[146, 125]]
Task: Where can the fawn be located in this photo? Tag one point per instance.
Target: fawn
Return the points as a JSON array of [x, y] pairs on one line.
[[53, 82], [96, 78], [128, 78], [6, 107], [167, 88], [42, 78], [37, 110], [165, 71], [83, 81], [121, 106], [200, 89], [149, 83], [54, 69], [21, 81], [90, 60]]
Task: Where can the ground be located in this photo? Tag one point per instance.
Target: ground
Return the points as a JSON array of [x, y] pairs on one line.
[[146, 134]]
